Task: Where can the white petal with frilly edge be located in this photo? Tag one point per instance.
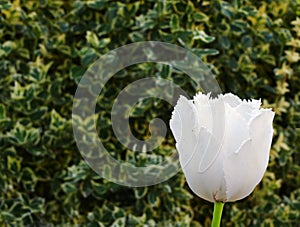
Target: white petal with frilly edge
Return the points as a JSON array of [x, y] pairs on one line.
[[184, 126], [245, 169]]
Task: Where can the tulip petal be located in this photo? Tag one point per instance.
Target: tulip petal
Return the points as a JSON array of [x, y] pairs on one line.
[[261, 133], [231, 99], [208, 184], [184, 126], [249, 110], [204, 111], [236, 131], [245, 169], [211, 114]]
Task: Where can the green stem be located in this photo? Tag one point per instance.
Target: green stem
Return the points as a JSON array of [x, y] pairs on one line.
[[218, 208]]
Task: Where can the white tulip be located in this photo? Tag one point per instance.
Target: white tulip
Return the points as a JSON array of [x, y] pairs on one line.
[[223, 144]]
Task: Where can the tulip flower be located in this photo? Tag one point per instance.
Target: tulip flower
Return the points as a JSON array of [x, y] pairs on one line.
[[223, 144]]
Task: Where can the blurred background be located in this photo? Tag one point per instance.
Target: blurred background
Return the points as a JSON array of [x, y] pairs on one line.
[[46, 46]]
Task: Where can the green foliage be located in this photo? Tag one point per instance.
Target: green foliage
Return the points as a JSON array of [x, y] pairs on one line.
[[46, 46]]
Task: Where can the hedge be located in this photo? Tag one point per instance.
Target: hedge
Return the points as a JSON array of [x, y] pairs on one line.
[[46, 46]]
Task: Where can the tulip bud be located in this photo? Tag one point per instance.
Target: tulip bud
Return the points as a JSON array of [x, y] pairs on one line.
[[223, 144]]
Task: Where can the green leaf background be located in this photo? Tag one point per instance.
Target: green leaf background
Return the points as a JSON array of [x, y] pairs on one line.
[[46, 46]]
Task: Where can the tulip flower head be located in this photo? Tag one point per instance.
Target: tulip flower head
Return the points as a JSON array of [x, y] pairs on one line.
[[223, 144]]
